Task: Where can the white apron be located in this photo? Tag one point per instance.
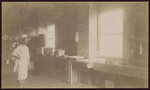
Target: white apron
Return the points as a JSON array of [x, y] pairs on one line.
[[21, 64]]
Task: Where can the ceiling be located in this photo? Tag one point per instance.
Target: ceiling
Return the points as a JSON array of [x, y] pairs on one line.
[[19, 15]]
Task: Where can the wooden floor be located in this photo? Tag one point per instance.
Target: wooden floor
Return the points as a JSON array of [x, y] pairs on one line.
[[42, 80]]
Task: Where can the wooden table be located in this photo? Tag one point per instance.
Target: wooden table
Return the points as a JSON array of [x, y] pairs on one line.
[[132, 71], [69, 69], [121, 70], [78, 64]]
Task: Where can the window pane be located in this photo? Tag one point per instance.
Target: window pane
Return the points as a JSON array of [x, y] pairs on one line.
[[111, 45], [111, 28], [51, 28], [111, 22], [50, 43], [50, 36], [111, 17]]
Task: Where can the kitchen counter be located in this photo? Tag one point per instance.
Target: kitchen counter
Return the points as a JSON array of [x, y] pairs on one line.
[[76, 69], [125, 70], [116, 67]]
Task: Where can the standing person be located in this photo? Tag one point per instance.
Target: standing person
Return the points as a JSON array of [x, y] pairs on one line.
[[21, 54]]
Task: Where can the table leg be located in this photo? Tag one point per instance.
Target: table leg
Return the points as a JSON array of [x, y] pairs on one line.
[[89, 77], [78, 75], [101, 80], [53, 66], [69, 73]]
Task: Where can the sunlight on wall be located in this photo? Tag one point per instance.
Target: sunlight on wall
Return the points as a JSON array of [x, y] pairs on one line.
[[111, 29]]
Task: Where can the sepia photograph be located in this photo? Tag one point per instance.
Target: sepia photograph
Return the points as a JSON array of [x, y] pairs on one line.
[[74, 44]]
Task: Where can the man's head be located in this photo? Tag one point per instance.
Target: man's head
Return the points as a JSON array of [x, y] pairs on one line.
[[24, 39]]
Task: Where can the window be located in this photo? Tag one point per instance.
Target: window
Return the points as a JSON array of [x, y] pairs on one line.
[[111, 33], [50, 36]]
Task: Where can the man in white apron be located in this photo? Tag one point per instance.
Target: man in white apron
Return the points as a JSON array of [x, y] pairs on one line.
[[21, 54]]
